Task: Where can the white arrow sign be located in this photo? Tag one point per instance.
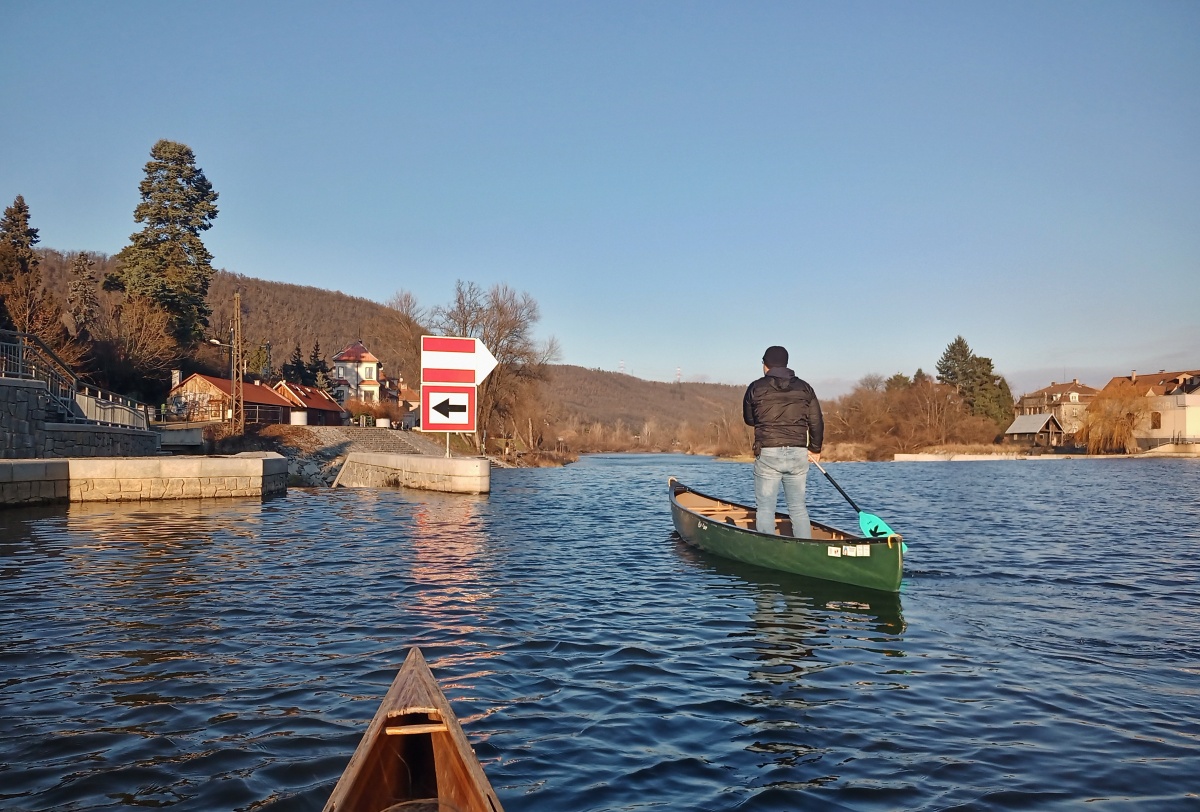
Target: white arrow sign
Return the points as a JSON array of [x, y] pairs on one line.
[[447, 408], [449, 359]]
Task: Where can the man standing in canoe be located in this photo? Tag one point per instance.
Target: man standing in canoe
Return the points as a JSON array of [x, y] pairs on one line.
[[788, 431]]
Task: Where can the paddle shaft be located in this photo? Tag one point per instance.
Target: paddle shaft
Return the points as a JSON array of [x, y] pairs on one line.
[[839, 487]]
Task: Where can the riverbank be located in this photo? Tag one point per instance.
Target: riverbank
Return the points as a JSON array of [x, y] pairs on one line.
[[1177, 451]]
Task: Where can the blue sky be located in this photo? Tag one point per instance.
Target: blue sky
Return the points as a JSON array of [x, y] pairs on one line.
[[679, 185]]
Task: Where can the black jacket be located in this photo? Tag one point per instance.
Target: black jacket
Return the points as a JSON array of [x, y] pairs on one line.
[[784, 412]]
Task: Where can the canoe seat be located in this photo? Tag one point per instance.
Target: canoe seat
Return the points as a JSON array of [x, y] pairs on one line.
[[410, 724], [409, 730]]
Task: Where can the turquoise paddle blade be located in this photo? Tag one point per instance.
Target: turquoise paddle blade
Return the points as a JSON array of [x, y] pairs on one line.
[[874, 527]]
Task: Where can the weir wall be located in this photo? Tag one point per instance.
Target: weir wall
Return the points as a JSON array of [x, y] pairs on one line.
[[446, 474]]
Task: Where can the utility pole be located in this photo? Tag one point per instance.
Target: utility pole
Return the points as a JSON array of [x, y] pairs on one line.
[[237, 395]]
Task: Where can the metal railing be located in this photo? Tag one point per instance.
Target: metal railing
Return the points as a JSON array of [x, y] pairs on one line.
[[26, 357]]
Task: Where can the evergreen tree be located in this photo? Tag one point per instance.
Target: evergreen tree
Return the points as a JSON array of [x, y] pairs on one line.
[[166, 262], [954, 367], [82, 302], [985, 393], [295, 370], [20, 278], [25, 304], [317, 369]]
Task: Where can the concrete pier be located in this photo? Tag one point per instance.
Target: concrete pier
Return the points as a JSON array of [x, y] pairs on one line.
[[445, 474], [131, 479]]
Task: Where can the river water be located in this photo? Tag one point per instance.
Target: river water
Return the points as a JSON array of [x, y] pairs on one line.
[[1044, 652]]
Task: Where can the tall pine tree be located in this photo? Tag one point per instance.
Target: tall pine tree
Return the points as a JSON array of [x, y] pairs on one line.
[[318, 368], [295, 370], [26, 304], [82, 302], [985, 393], [166, 262]]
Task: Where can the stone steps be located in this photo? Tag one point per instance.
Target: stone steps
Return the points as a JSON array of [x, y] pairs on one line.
[[359, 438]]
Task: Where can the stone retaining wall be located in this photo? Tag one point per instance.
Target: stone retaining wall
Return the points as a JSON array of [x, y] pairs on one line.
[[129, 479], [26, 434]]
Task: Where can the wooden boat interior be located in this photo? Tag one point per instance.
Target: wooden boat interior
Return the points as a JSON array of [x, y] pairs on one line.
[[719, 510], [414, 756]]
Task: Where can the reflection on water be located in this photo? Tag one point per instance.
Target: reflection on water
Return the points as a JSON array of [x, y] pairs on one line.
[[227, 654]]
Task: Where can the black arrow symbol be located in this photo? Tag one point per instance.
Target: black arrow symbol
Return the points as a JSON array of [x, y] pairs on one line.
[[445, 408]]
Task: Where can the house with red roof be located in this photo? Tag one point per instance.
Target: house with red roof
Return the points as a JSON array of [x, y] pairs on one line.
[[204, 397], [1174, 415], [311, 406], [1066, 401], [356, 374]]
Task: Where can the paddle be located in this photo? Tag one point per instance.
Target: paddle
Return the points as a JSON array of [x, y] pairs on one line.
[[871, 525]]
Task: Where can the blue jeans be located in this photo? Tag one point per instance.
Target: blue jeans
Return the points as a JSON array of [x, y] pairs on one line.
[[789, 465]]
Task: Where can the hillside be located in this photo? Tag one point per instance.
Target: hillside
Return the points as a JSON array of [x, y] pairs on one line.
[[284, 314], [575, 401], [596, 396]]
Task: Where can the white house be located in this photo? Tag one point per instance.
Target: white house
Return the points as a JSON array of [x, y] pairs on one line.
[[356, 374], [1174, 406]]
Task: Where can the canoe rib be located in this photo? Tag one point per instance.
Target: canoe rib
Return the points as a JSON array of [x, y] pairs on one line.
[[414, 749], [727, 529]]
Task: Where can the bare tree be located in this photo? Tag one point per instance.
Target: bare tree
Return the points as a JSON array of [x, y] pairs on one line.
[[503, 320], [410, 318], [136, 342]]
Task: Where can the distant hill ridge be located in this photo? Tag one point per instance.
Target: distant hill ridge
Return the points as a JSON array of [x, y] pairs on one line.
[[594, 395]]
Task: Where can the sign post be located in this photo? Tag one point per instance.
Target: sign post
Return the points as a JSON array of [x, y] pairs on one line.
[[451, 370]]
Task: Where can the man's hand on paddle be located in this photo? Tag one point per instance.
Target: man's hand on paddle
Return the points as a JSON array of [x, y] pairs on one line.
[[814, 457]]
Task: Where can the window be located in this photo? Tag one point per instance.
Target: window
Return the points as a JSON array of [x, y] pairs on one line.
[[1074, 397], [1156, 420]]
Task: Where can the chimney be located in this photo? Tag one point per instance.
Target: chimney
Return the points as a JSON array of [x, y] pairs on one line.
[[1133, 376], [1076, 381], [176, 377]]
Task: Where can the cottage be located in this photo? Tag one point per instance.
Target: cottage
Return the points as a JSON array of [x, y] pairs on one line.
[[311, 406], [1174, 406], [1066, 401], [356, 374], [203, 397], [1035, 430]]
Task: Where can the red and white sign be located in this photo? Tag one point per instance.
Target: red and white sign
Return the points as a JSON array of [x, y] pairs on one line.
[[447, 408], [446, 359]]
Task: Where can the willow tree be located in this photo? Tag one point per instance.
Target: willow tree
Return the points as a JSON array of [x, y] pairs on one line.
[[166, 262], [1111, 419]]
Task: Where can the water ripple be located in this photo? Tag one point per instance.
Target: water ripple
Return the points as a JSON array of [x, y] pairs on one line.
[[226, 654]]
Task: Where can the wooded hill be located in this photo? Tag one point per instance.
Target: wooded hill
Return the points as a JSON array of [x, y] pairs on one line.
[[289, 315], [592, 410], [285, 315]]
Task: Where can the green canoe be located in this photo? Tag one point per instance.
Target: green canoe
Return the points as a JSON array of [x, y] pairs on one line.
[[726, 529]]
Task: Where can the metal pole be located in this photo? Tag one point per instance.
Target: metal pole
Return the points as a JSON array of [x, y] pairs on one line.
[[447, 444]]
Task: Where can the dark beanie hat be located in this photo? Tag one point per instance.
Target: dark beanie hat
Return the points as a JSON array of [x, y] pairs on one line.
[[775, 357]]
